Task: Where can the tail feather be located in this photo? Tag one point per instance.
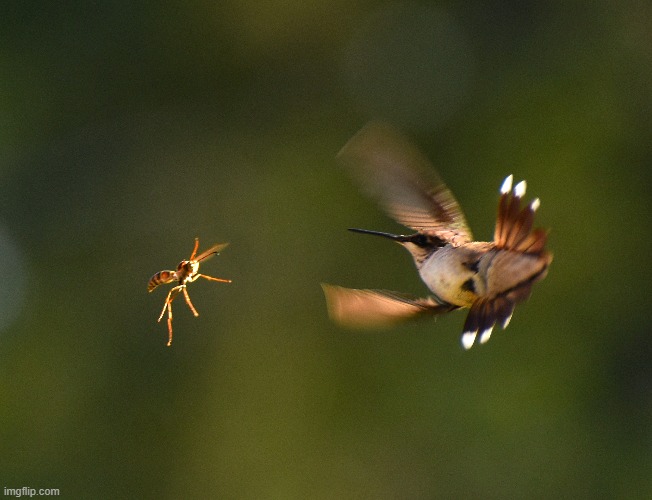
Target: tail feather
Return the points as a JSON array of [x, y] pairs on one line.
[[535, 242], [514, 224], [483, 316]]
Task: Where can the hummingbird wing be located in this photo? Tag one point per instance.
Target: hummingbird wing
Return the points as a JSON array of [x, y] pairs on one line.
[[376, 308], [396, 173]]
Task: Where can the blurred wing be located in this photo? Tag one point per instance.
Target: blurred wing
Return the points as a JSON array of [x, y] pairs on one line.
[[214, 250], [376, 308], [395, 172]]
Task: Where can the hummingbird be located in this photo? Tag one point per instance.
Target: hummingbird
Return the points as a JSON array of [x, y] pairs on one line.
[[488, 278]]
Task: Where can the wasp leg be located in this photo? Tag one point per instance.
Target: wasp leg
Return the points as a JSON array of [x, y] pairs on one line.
[[168, 305], [170, 324], [165, 305], [192, 308], [169, 300], [194, 251], [210, 278]]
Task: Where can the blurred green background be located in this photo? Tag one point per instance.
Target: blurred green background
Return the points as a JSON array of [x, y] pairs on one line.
[[129, 128]]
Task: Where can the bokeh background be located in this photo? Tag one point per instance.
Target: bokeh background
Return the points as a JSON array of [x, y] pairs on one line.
[[129, 128]]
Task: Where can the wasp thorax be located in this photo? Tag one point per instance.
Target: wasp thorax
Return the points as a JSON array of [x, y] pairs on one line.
[[188, 266]]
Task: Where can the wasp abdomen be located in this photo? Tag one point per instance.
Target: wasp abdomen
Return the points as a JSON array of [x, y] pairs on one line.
[[160, 278]]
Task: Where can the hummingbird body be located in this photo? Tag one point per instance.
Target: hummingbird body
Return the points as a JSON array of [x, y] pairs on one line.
[[452, 273], [489, 278], [462, 275]]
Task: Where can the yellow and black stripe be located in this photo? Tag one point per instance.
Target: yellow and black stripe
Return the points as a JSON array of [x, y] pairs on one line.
[[160, 278]]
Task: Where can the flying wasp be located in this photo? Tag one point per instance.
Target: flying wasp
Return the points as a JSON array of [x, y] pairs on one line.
[[187, 272], [489, 278]]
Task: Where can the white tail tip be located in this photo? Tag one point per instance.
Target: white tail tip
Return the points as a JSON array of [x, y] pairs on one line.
[[506, 187], [467, 339], [519, 189], [486, 335], [536, 203]]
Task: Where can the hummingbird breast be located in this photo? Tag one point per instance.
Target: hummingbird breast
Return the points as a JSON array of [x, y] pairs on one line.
[[452, 274]]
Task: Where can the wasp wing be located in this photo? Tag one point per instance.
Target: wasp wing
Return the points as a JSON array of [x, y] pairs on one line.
[[376, 308], [396, 173], [214, 250]]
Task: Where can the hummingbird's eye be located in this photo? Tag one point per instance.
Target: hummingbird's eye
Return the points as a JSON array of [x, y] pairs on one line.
[[420, 240], [426, 240]]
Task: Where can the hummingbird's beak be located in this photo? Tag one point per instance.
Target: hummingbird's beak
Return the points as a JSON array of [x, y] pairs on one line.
[[417, 244], [395, 237]]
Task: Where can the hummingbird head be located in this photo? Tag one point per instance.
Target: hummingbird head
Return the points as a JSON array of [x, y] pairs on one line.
[[420, 245]]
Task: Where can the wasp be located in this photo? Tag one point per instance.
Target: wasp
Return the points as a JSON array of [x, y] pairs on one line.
[[187, 272]]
